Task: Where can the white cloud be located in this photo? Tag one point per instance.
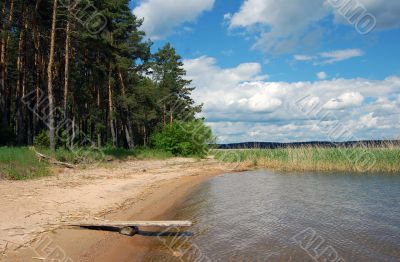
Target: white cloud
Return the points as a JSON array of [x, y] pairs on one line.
[[369, 121], [322, 75], [161, 17], [385, 12], [286, 26], [303, 58], [277, 14], [331, 56], [345, 101], [286, 22], [263, 103], [240, 104], [340, 55]]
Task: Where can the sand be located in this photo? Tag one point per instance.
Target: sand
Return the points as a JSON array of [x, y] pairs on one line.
[[31, 211]]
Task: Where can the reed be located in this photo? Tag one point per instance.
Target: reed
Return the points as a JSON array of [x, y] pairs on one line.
[[358, 159]]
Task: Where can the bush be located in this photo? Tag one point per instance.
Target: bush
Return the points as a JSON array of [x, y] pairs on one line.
[[42, 140], [184, 139]]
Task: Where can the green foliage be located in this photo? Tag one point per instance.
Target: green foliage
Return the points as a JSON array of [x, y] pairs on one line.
[[118, 89], [184, 139], [42, 140], [21, 163]]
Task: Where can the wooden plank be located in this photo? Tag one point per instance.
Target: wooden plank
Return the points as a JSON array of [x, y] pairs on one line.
[[130, 224]]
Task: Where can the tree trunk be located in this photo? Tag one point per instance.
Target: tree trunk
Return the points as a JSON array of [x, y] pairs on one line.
[[72, 145], [171, 116], [38, 66], [51, 124], [128, 133], [3, 64], [3, 13], [110, 108], [144, 135], [164, 116], [2, 82], [98, 130], [21, 127], [66, 68]]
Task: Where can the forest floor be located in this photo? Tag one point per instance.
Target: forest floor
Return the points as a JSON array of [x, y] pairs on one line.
[[31, 211]]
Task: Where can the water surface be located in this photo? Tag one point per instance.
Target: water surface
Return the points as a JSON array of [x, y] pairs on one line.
[[271, 216]]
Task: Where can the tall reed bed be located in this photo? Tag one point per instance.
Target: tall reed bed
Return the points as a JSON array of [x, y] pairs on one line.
[[357, 159]]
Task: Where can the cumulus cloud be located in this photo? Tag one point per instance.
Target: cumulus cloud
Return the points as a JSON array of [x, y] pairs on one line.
[[283, 26], [345, 100], [162, 17], [241, 104], [286, 22]]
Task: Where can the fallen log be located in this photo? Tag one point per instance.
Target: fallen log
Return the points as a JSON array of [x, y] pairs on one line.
[[127, 228], [122, 224], [51, 160]]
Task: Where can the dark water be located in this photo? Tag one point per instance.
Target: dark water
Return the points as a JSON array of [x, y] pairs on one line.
[[267, 216]]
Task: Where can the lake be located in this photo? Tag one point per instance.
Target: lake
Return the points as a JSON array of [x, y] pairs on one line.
[[277, 216]]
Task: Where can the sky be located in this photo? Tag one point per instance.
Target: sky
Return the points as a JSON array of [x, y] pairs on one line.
[[285, 71]]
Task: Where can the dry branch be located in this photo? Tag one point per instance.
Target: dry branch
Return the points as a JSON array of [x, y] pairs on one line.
[[52, 160]]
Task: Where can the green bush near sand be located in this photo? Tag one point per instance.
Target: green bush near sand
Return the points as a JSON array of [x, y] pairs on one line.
[[187, 139], [372, 159]]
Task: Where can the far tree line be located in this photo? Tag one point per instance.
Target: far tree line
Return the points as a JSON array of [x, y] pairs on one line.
[[92, 63]]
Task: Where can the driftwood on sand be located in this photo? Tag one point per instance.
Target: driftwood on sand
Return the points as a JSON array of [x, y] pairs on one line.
[[52, 160], [128, 228]]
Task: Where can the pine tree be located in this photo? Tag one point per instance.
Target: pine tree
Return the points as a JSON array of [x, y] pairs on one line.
[[98, 87]]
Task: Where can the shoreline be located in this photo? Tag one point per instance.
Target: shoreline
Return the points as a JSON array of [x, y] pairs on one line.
[[156, 199], [161, 205]]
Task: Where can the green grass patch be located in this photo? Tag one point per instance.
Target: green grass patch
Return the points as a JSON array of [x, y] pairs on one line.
[[138, 153], [147, 153], [359, 159], [90, 156], [21, 163]]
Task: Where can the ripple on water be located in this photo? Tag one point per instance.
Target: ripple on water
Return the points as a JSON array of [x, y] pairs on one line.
[[254, 216]]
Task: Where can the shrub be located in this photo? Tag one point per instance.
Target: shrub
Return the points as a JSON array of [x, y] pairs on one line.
[[42, 140], [184, 138]]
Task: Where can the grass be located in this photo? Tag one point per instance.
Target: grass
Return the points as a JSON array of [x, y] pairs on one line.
[[372, 159], [20, 163]]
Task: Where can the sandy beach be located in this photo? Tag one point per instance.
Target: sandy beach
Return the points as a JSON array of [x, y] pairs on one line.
[[32, 211]]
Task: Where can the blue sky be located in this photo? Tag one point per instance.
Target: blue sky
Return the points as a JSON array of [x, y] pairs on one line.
[[255, 61]]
